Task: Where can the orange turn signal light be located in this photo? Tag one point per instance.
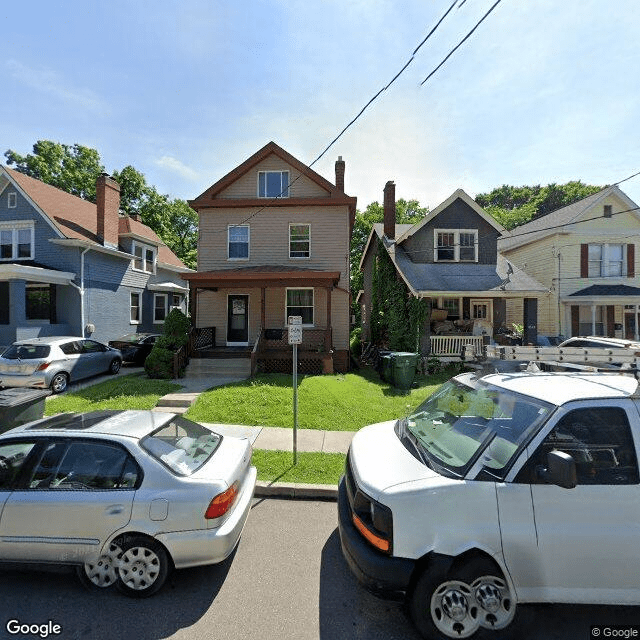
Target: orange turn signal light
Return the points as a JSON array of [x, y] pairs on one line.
[[222, 502], [375, 540]]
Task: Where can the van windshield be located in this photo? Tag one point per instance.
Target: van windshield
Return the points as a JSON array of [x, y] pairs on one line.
[[459, 423]]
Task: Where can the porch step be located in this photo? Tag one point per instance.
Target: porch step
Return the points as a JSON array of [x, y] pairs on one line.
[[219, 367], [224, 353]]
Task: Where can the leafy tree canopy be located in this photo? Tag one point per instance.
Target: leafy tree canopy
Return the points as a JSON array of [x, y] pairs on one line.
[[74, 169], [513, 206]]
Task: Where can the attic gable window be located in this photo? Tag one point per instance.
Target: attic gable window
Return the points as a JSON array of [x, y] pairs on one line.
[[273, 184], [455, 245], [145, 258], [12, 200]]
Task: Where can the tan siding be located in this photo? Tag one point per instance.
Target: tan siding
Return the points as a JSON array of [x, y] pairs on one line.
[[247, 185], [269, 238]]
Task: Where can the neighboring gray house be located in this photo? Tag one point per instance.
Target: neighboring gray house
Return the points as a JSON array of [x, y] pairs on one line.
[[451, 257], [71, 267]]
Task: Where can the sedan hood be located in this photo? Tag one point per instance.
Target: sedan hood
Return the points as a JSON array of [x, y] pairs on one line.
[[379, 460]]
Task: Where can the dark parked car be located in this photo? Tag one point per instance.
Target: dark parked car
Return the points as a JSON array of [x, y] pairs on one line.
[[135, 347]]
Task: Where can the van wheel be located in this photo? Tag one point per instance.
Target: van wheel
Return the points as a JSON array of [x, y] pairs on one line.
[[457, 604], [143, 568]]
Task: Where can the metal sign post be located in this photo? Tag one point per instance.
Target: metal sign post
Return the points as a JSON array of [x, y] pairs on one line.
[[295, 338]]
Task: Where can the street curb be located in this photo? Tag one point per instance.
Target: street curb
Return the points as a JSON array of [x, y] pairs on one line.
[[294, 491]]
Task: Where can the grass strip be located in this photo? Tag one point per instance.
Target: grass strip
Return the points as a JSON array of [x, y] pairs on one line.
[[134, 391], [312, 468]]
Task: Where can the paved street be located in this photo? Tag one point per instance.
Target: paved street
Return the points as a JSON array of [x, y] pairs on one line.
[[287, 580]]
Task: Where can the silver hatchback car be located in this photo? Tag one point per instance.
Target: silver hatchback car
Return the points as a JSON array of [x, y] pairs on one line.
[[52, 363], [124, 495]]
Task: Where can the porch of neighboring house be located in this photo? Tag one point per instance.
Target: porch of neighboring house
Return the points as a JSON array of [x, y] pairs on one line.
[[241, 331]]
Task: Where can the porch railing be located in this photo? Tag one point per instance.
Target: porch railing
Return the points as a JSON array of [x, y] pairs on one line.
[[451, 346], [312, 340]]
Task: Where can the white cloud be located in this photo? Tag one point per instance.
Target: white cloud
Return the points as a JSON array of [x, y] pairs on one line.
[[48, 81], [176, 166]]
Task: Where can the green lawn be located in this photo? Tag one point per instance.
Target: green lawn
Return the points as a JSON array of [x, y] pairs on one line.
[[134, 391], [312, 468], [334, 403]]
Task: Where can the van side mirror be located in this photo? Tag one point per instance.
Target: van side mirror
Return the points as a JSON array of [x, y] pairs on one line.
[[561, 470]]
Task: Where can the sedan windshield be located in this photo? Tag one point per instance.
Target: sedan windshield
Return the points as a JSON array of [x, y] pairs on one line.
[[459, 423]]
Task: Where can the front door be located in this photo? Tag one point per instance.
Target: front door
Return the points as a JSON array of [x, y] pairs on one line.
[[238, 320]]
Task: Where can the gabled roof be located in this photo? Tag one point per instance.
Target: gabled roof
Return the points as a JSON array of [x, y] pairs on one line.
[[209, 200], [432, 278], [554, 222], [77, 219], [459, 194]]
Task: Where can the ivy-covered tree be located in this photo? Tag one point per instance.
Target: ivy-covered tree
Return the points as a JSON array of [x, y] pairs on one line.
[[74, 169], [513, 206], [407, 212]]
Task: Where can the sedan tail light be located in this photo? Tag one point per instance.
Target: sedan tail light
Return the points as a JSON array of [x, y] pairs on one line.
[[222, 502]]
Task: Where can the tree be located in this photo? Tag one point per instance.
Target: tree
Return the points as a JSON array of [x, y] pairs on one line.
[[74, 169], [513, 206], [407, 212]]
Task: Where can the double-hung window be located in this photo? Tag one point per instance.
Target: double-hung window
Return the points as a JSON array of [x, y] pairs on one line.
[[145, 258], [455, 245], [136, 307], [160, 302], [300, 303], [299, 240], [238, 245], [273, 184], [16, 241], [606, 260]]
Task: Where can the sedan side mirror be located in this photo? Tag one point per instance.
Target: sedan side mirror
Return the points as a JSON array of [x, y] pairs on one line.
[[561, 470]]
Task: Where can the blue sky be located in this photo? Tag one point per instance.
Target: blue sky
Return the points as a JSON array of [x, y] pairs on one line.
[[544, 91]]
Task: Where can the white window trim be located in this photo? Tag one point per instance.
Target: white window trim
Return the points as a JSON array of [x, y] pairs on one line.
[[19, 225], [166, 307], [313, 304], [482, 301], [139, 294], [456, 244], [12, 200], [280, 171], [299, 224], [145, 248], [233, 226], [604, 260]]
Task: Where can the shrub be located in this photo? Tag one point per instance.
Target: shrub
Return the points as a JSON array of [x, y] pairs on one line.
[[159, 363], [355, 342]]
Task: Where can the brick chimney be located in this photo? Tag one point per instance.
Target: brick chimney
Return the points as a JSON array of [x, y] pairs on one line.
[[108, 203], [340, 174], [390, 210]]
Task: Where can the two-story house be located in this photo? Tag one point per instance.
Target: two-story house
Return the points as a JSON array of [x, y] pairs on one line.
[[71, 267], [274, 243], [451, 257], [585, 254]]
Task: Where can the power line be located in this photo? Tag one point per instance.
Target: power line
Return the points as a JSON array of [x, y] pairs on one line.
[[462, 41]]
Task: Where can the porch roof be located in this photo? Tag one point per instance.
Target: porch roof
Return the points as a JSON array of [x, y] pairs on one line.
[[606, 291], [262, 276]]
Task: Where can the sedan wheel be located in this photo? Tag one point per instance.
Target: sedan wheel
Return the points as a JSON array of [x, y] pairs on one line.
[[104, 572], [115, 365], [59, 382], [143, 567]]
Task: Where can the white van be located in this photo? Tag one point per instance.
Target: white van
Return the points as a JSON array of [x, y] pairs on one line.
[[499, 489]]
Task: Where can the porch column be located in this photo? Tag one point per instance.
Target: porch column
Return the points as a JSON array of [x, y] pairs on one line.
[[193, 300], [327, 334], [593, 320], [263, 305]]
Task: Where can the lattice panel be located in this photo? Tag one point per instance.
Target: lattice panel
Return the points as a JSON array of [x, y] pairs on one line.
[[308, 366]]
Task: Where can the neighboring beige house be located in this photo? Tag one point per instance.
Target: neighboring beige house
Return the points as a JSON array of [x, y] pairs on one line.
[[273, 243], [585, 254]]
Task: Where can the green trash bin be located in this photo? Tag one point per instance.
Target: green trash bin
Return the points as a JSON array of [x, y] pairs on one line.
[[20, 405], [403, 369]]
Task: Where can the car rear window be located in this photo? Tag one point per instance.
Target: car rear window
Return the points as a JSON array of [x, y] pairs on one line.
[[181, 445], [27, 352]]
